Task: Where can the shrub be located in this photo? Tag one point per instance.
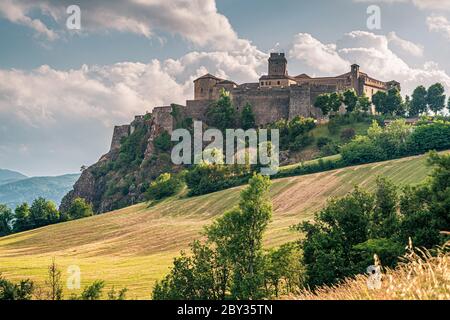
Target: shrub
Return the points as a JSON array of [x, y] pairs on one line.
[[323, 141], [426, 137], [79, 209], [163, 142], [348, 134], [300, 142], [362, 150], [165, 185]]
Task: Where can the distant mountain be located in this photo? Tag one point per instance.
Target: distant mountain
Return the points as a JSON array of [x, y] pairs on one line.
[[7, 176], [28, 189]]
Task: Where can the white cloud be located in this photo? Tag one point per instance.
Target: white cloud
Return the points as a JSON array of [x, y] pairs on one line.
[[197, 21], [73, 111], [439, 24], [315, 54], [16, 13], [404, 46], [373, 53]]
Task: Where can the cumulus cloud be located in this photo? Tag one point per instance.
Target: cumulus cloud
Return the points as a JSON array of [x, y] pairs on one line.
[[404, 46], [315, 54], [375, 56], [16, 13], [197, 21], [439, 24], [47, 110]]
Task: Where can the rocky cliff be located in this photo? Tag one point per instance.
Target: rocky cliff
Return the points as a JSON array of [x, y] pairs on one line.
[[137, 156]]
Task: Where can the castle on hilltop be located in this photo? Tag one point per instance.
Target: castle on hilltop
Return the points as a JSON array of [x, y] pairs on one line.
[[276, 96]]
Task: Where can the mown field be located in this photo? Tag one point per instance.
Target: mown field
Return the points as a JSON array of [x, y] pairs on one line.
[[133, 247]]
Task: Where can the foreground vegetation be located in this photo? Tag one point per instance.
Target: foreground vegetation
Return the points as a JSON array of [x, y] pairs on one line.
[[339, 243], [421, 275], [134, 247]]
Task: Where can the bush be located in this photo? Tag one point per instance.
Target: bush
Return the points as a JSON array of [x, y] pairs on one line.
[[330, 149], [348, 134], [387, 251], [79, 209], [164, 186], [426, 137], [300, 142], [362, 150], [323, 141], [163, 142]]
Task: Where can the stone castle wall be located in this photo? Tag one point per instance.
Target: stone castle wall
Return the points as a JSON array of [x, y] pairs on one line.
[[268, 105]]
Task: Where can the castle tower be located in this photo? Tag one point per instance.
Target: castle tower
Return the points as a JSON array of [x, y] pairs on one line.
[[277, 64], [355, 76]]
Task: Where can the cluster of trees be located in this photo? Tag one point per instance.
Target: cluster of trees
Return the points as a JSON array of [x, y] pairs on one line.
[[42, 212], [396, 140], [294, 134], [231, 263], [345, 235], [390, 103], [332, 102], [53, 289]]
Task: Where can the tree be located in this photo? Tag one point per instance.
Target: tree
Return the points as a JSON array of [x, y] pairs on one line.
[[231, 263], [394, 102], [20, 291], [323, 103], [248, 117], [379, 101], [222, 114], [335, 101], [42, 213], [407, 105], [436, 98], [54, 282], [79, 209], [328, 244], [93, 291], [350, 100], [384, 222], [6, 220], [240, 233], [418, 102], [364, 103], [22, 215]]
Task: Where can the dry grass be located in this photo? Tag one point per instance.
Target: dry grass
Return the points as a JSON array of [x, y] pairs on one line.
[[420, 276]]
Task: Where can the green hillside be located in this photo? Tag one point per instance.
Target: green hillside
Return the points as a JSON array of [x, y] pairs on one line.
[[133, 247], [28, 189]]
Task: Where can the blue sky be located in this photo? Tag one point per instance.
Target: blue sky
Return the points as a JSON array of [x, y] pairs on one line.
[[62, 91]]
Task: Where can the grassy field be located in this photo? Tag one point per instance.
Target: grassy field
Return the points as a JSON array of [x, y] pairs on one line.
[[133, 247]]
